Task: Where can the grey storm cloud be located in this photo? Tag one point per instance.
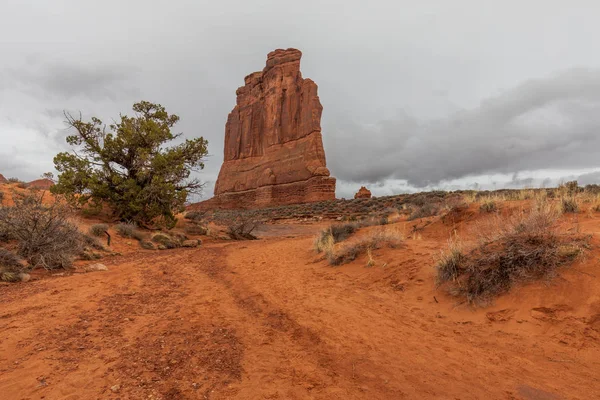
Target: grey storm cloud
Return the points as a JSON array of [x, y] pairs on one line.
[[64, 81], [542, 123], [420, 91]]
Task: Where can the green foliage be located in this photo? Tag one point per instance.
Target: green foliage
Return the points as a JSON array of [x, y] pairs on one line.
[[130, 166]]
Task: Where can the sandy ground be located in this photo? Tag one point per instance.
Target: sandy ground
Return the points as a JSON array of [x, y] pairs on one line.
[[268, 319]]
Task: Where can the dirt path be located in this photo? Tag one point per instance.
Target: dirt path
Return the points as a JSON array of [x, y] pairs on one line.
[[268, 320]]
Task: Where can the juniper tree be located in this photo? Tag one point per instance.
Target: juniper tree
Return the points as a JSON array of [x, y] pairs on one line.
[[129, 165]]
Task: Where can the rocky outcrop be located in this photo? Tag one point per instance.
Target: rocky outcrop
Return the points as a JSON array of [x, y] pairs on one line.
[[363, 193], [273, 145], [43, 184], [3, 179]]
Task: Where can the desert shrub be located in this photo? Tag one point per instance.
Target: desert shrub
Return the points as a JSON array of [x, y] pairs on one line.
[[129, 230], [22, 185], [488, 205], [449, 262], [526, 247], [334, 234], [11, 266], [427, 210], [98, 229], [351, 250], [1, 197], [242, 226], [14, 180], [340, 232], [324, 241], [88, 254], [568, 204], [166, 241], [592, 189], [46, 238], [193, 229], [572, 187]]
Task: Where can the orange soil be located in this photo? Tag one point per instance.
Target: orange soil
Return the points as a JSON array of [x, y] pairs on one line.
[[269, 319]]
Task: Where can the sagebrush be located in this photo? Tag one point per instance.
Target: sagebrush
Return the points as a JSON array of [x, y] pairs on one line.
[[46, 237], [527, 246]]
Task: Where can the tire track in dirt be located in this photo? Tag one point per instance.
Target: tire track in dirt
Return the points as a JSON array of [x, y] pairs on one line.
[[328, 371]]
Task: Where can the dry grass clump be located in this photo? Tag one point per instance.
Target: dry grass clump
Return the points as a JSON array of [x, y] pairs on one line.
[[130, 230], [46, 237], [11, 266], [523, 248], [568, 204], [334, 234], [350, 250], [488, 205], [98, 229], [424, 211]]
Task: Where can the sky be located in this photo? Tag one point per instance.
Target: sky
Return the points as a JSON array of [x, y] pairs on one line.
[[416, 95]]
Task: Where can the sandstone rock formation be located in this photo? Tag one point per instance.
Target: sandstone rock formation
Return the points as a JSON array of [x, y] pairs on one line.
[[44, 184], [363, 193], [273, 145]]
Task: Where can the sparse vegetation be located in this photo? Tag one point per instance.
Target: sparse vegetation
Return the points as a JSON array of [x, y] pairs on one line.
[[46, 237], [349, 251], [98, 229], [519, 249], [130, 168], [569, 204], [130, 230], [334, 234], [424, 211], [11, 266], [488, 205]]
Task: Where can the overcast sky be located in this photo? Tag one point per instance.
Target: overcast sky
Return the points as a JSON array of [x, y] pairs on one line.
[[416, 95]]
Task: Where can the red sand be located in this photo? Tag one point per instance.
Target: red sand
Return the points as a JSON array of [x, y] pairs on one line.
[[268, 320]]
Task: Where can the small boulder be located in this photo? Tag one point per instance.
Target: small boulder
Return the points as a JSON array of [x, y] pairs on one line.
[[190, 243], [96, 267], [24, 277], [166, 241], [147, 245]]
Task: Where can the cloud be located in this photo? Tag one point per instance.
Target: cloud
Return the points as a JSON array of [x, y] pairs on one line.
[[66, 81], [541, 124]]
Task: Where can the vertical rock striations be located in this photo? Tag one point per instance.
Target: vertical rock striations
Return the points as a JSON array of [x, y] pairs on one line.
[[273, 145]]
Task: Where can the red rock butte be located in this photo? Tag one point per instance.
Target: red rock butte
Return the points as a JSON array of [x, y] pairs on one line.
[[273, 145], [363, 193]]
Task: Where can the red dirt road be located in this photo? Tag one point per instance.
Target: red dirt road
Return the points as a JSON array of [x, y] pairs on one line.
[[268, 320]]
